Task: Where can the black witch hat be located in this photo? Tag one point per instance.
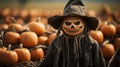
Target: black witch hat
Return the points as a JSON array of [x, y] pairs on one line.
[[74, 8]]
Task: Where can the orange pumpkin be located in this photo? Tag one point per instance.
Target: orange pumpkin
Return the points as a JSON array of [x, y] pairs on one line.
[[108, 30], [42, 40], [51, 37], [3, 26], [37, 54], [37, 27], [12, 37], [23, 54], [29, 39], [97, 35], [8, 57], [118, 28], [108, 50], [117, 43], [16, 26]]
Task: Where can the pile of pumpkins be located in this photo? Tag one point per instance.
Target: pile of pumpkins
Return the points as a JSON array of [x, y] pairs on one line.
[[20, 43], [108, 36]]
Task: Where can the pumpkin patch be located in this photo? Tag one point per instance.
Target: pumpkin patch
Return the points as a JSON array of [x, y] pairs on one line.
[[22, 28]]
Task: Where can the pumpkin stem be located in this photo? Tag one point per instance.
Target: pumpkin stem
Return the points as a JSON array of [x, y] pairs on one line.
[[105, 42], [2, 34], [13, 29], [108, 23], [27, 28], [9, 47], [38, 19], [13, 19], [1, 43], [21, 46]]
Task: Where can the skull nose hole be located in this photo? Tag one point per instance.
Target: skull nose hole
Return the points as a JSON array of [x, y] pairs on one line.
[[72, 27]]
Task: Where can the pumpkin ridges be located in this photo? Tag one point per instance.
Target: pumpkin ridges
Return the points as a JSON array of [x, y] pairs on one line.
[[37, 27], [108, 30], [23, 54], [11, 57], [8, 57], [29, 39], [42, 40], [16, 26], [37, 54], [97, 35], [107, 50], [12, 37]]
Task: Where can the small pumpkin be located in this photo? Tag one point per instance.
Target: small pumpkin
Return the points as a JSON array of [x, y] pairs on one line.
[[23, 54], [8, 57], [118, 28], [51, 37], [29, 39], [37, 54], [108, 50], [3, 26], [37, 27], [97, 35], [42, 40], [117, 43], [12, 37], [15, 25]]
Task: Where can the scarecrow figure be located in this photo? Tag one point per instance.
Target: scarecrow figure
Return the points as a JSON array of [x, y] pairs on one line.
[[74, 47]]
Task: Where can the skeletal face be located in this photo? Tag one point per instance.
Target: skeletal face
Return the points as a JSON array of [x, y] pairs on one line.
[[72, 26]]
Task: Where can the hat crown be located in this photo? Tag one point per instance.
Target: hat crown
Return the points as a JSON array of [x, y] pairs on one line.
[[74, 7]]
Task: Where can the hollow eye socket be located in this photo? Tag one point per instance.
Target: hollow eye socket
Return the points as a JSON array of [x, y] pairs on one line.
[[77, 23], [68, 23]]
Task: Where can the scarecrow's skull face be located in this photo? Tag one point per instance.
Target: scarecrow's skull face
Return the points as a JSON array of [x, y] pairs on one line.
[[72, 26]]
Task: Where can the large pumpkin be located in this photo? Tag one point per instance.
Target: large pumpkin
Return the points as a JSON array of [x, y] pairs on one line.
[[8, 57], [108, 30], [37, 27], [12, 37], [108, 50], [29, 39], [23, 54], [97, 35], [37, 54]]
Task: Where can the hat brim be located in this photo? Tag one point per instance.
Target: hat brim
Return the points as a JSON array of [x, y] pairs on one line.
[[56, 21]]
